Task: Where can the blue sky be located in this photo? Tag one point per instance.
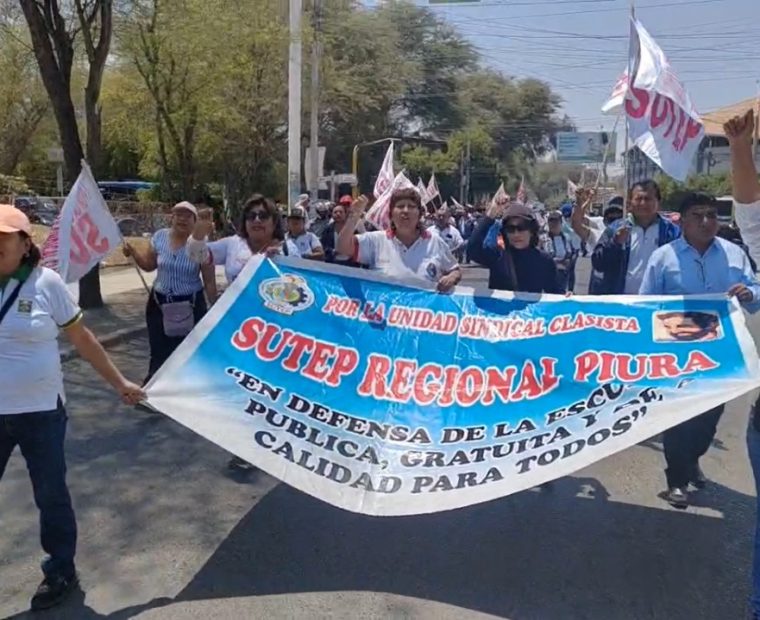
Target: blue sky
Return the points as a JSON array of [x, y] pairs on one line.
[[580, 46]]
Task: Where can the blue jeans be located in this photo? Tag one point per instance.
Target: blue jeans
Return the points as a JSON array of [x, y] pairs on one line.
[[40, 436], [753, 447]]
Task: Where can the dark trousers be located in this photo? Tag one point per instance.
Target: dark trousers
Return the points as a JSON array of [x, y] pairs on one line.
[[571, 276], [161, 345], [562, 279], [40, 437], [686, 443]]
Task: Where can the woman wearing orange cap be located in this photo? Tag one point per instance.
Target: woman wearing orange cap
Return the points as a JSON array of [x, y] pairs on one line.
[[34, 306]]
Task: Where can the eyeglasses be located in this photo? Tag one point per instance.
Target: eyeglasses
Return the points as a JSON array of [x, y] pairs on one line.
[[512, 228], [262, 216]]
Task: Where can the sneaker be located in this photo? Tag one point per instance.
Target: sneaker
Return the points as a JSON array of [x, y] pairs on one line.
[[53, 590], [677, 497], [698, 479], [238, 464]]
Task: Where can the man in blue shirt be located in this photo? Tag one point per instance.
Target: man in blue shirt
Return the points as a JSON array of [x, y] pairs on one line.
[[624, 249], [698, 263]]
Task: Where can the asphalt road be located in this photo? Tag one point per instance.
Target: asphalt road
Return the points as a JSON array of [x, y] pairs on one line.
[[166, 532]]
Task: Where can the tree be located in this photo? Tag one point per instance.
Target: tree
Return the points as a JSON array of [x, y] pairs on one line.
[[53, 28], [23, 101]]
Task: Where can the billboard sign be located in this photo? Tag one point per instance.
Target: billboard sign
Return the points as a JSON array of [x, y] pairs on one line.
[[586, 146]]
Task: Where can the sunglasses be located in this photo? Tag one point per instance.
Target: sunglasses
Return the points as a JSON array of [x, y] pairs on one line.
[[262, 216], [512, 228]]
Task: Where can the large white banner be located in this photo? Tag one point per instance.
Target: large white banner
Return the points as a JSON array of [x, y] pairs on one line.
[[83, 233], [662, 121], [386, 398]]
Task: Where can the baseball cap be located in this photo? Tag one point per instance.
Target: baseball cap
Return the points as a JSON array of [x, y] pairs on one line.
[[297, 213], [186, 206], [14, 220], [519, 210], [346, 200]]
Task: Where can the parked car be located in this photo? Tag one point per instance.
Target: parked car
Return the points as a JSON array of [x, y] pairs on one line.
[[38, 210]]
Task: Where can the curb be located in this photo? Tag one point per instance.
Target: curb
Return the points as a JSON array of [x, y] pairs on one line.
[[68, 352]]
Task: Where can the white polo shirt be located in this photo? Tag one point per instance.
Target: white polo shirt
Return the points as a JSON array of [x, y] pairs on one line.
[[31, 379], [428, 258], [307, 242], [643, 244], [450, 235]]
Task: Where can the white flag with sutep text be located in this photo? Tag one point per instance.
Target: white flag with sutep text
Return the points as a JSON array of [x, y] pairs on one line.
[[662, 121], [83, 233], [386, 175], [379, 214], [423, 191]]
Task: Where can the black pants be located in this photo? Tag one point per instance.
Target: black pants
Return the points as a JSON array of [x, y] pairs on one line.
[[40, 436], [161, 345], [686, 443]]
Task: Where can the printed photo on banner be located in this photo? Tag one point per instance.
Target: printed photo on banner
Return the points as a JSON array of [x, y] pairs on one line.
[[687, 326]]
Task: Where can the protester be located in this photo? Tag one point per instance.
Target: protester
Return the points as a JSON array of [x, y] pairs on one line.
[[322, 220], [699, 263], [625, 247], [330, 235], [521, 266], [307, 242], [560, 248], [740, 131], [176, 302], [406, 249], [261, 232], [446, 230], [590, 228], [575, 242], [34, 306]]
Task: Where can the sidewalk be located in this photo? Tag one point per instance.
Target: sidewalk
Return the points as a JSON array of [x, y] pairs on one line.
[[123, 315]]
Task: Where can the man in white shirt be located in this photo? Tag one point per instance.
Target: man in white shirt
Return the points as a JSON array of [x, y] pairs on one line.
[[446, 230], [308, 244], [740, 132]]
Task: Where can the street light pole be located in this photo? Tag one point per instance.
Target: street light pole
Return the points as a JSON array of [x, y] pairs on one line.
[[314, 139], [294, 104]]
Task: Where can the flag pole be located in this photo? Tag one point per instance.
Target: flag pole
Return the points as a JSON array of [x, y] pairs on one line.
[[626, 157]]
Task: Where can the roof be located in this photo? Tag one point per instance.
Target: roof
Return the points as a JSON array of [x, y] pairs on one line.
[[713, 121]]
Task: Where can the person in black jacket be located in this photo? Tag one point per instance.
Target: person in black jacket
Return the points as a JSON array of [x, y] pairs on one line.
[[330, 235], [521, 266]]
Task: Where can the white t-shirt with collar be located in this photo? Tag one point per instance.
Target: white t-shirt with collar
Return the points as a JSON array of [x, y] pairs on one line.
[[450, 235], [31, 378], [307, 242], [428, 258]]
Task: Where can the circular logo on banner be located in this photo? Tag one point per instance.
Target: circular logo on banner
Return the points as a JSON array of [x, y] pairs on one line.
[[286, 294]]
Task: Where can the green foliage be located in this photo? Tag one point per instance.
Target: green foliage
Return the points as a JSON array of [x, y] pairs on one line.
[[673, 191], [195, 94]]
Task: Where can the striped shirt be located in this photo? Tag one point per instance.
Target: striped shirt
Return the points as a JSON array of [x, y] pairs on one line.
[[176, 274]]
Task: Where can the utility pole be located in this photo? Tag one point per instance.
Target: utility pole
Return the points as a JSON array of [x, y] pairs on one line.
[[462, 180], [468, 168], [294, 104], [316, 54]]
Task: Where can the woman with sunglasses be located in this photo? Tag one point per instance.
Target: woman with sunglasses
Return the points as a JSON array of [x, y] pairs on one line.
[[520, 267], [260, 232], [406, 249]]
